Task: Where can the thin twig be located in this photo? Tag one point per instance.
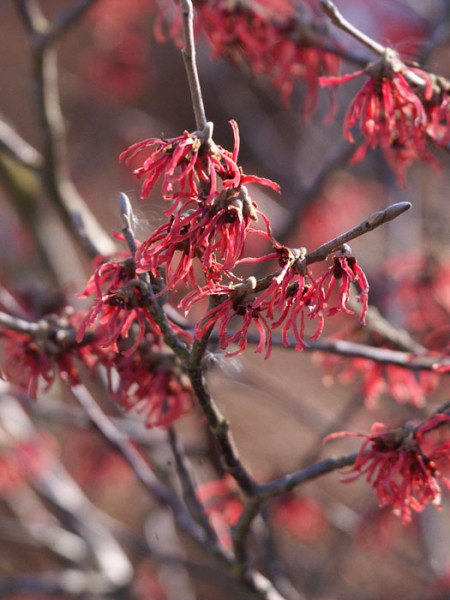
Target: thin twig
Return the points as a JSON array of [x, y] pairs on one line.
[[192, 502], [220, 429], [336, 17], [292, 480], [380, 217], [187, 14], [376, 219]]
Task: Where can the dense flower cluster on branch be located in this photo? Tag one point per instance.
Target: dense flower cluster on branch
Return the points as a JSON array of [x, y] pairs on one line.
[[404, 466]]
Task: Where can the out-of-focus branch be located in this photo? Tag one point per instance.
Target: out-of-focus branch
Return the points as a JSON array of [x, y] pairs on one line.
[[353, 349], [194, 505], [400, 338], [55, 173], [252, 579], [68, 503], [17, 324], [292, 480], [70, 583], [68, 18], [14, 146], [141, 469]]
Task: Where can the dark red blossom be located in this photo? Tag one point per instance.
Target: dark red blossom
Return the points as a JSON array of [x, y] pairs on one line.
[[389, 112], [437, 108], [303, 518], [189, 165], [122, 308], [232, 301], [26, 460], [343, 272], [290, 295], [214, 235], [402, 466], [421, 285]]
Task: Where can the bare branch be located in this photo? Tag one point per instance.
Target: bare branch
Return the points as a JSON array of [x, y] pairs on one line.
[[380, 217], [220, 429], [18, 149], [33, 18], [68, 18], [406, 360], [187, 14], [292, 480], [336, 17]]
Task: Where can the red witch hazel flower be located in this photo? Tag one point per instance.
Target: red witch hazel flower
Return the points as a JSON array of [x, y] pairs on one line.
[[390, 113], [403, 465], [206, 223], [188, 165], [213, 234], [284, 301], [438, 111], [232, 301], [123, 309], [344, 271], [43, 354]]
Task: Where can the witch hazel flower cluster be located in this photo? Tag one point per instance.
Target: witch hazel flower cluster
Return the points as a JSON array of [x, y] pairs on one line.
[[203, 247], [405, 466], [398, 109], [279, 39], [210, 218]]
